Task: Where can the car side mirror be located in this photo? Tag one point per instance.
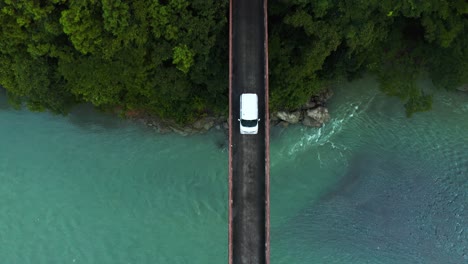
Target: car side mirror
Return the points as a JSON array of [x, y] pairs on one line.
[[238, 119]]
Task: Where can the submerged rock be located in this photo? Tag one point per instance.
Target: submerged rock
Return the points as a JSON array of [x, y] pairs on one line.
[[310, 122], [163, 130], [283, 124], [179, 131], [274, 117]]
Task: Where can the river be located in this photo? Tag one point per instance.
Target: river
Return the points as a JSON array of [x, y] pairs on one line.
[[371, 186]]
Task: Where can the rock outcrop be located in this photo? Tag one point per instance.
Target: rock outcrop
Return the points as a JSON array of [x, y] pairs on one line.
[[204, 123], [463, 88], [290, 117], [310, 122], [319, 114], [312, 114]]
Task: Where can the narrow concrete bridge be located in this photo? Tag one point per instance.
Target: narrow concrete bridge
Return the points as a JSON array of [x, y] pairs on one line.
[[249, 171]]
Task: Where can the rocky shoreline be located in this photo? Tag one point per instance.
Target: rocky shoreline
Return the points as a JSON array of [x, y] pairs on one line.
[[312, 114], [463, 88]]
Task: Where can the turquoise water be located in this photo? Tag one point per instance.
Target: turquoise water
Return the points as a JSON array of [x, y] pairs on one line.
[[382, 188], [370, 187]]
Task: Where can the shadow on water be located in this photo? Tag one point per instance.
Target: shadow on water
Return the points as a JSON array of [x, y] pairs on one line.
[[276, 132], [222, 143], [86, 117], [399, 209], [349, 182], [3, 99]]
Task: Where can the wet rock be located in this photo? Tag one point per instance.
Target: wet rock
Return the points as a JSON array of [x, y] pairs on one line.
[[463, 88], [208, 125], [283, 124], [204, 123], [274, 122], [320, 114], [310, 122], [292, 117], [163, 130], [198, 124], [179, 131]]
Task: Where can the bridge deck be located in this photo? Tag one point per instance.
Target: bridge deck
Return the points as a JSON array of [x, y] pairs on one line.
[[248, 154]]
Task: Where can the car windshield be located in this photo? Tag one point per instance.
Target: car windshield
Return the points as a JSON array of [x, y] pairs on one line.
[[248, 123]]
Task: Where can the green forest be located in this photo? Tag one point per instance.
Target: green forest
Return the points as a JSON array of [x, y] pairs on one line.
[[169, 58]]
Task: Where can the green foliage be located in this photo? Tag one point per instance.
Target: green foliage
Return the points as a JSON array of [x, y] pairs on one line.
[[164, 57], [170, 57], [183, 58], [449, 66], [315, 42]]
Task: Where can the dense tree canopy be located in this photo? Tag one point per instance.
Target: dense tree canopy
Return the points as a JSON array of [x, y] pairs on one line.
[[315, 42], [170, 57], [166, 57]]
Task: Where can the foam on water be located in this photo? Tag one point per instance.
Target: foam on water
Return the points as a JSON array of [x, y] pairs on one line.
[[400, 198]]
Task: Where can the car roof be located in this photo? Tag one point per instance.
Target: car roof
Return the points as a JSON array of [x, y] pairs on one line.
[[249, 106]]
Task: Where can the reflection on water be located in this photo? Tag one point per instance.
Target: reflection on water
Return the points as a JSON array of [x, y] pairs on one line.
[[3, 99], [84, 116]]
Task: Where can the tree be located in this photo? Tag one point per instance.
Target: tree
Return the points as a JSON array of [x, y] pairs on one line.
[[170, 58], [164, 57], [314, 42]]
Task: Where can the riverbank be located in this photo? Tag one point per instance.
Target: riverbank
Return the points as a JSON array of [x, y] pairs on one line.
[[312, 114], [371, 186]]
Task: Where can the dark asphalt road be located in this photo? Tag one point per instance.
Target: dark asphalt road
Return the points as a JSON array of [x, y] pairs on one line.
[[248, 151]]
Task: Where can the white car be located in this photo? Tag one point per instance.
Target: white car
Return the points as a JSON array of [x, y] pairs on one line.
[[248, 113]]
